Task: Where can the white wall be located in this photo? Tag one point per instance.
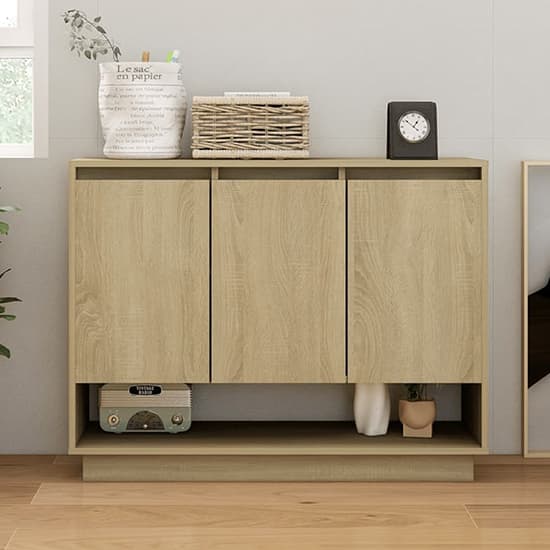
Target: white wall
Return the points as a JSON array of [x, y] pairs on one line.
[[483, 61]]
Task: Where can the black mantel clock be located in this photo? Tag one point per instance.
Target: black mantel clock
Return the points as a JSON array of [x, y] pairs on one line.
[[412, 130]]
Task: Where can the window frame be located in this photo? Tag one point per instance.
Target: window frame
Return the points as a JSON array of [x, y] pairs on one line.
[[23, 33], [29, 40]]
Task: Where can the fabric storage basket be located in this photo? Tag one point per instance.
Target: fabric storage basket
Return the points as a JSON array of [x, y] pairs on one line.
[[250, 127], [142, 108]]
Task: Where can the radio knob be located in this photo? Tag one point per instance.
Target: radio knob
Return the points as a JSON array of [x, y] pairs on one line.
[[113, 420], [177, 419]]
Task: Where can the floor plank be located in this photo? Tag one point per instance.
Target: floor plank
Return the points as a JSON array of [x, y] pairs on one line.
[[509, 459], [510, 516], [67, 459], [45, 505], [5, 536], [18, 460], [17, 493], [512, 473], [138, 538], [337, 494], [39, 473], [284, 516]]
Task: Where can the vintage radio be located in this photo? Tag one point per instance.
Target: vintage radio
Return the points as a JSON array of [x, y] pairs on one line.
[[145, 408]]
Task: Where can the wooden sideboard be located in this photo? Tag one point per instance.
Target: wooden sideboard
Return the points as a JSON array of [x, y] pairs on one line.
[[290, 271]]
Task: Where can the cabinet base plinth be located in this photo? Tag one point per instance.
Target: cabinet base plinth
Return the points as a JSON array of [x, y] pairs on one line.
[[277, 468]]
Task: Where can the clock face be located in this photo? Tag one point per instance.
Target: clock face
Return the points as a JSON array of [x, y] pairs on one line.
[[414, 127]]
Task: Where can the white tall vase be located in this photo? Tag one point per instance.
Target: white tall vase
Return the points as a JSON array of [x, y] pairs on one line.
[[371, 408]]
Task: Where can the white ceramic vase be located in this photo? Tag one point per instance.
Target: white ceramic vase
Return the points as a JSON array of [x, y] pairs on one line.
[[371, 408]]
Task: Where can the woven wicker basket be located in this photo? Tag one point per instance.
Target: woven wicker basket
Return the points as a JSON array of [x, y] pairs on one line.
[[250, 127]]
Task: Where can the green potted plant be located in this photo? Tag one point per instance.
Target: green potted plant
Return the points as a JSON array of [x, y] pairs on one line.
[[417, 412], [4, 300]]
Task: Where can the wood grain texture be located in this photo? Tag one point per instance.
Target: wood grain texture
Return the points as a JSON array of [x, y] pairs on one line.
[[277, 468], [509, 515], [18, 492], [508, 507], [141, 281], [239, 494], [517, 473], [280, 438], [344, 162], [517, 460], [39, 472], [215, 515], [250, 538], [383, 538], [416, 266], [278, 281]]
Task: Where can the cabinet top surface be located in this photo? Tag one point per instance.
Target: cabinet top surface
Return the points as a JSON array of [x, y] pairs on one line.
[[345, 162]]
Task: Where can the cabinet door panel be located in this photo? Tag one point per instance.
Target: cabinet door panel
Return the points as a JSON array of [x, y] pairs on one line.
[[141, 293], [416, 268], [278, 281]]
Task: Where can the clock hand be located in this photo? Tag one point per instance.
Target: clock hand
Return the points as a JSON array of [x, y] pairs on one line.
[[413, 127]]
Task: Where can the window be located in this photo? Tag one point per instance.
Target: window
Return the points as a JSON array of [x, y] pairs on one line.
[[23, 78]]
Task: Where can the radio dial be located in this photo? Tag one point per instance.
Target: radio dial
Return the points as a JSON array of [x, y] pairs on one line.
[[177, 419], [113, 420]]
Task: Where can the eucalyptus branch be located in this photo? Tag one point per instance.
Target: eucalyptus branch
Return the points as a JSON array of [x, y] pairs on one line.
[[78, 22]]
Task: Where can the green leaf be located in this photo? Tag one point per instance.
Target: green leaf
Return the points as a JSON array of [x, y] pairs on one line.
[[97, 19], [8, 317], [4, 228], [9, 209], [9, 300], [88, 54], [101, 30], [2, 309], [4, 351]]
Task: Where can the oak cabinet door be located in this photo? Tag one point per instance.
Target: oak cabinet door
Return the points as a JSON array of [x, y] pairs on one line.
[[416, 281], [141, 281], [278, 281]]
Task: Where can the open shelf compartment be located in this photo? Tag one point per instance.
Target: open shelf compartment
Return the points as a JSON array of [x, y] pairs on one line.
[[279, 438], [290, 438]]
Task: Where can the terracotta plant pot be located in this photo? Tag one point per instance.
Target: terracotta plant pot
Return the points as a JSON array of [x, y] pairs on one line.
[[417, 417]]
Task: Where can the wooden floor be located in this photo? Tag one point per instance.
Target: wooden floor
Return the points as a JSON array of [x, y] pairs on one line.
[[43, 504]]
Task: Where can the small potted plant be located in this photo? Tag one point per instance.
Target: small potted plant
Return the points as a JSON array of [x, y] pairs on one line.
[[4, 300], [417, 412]]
